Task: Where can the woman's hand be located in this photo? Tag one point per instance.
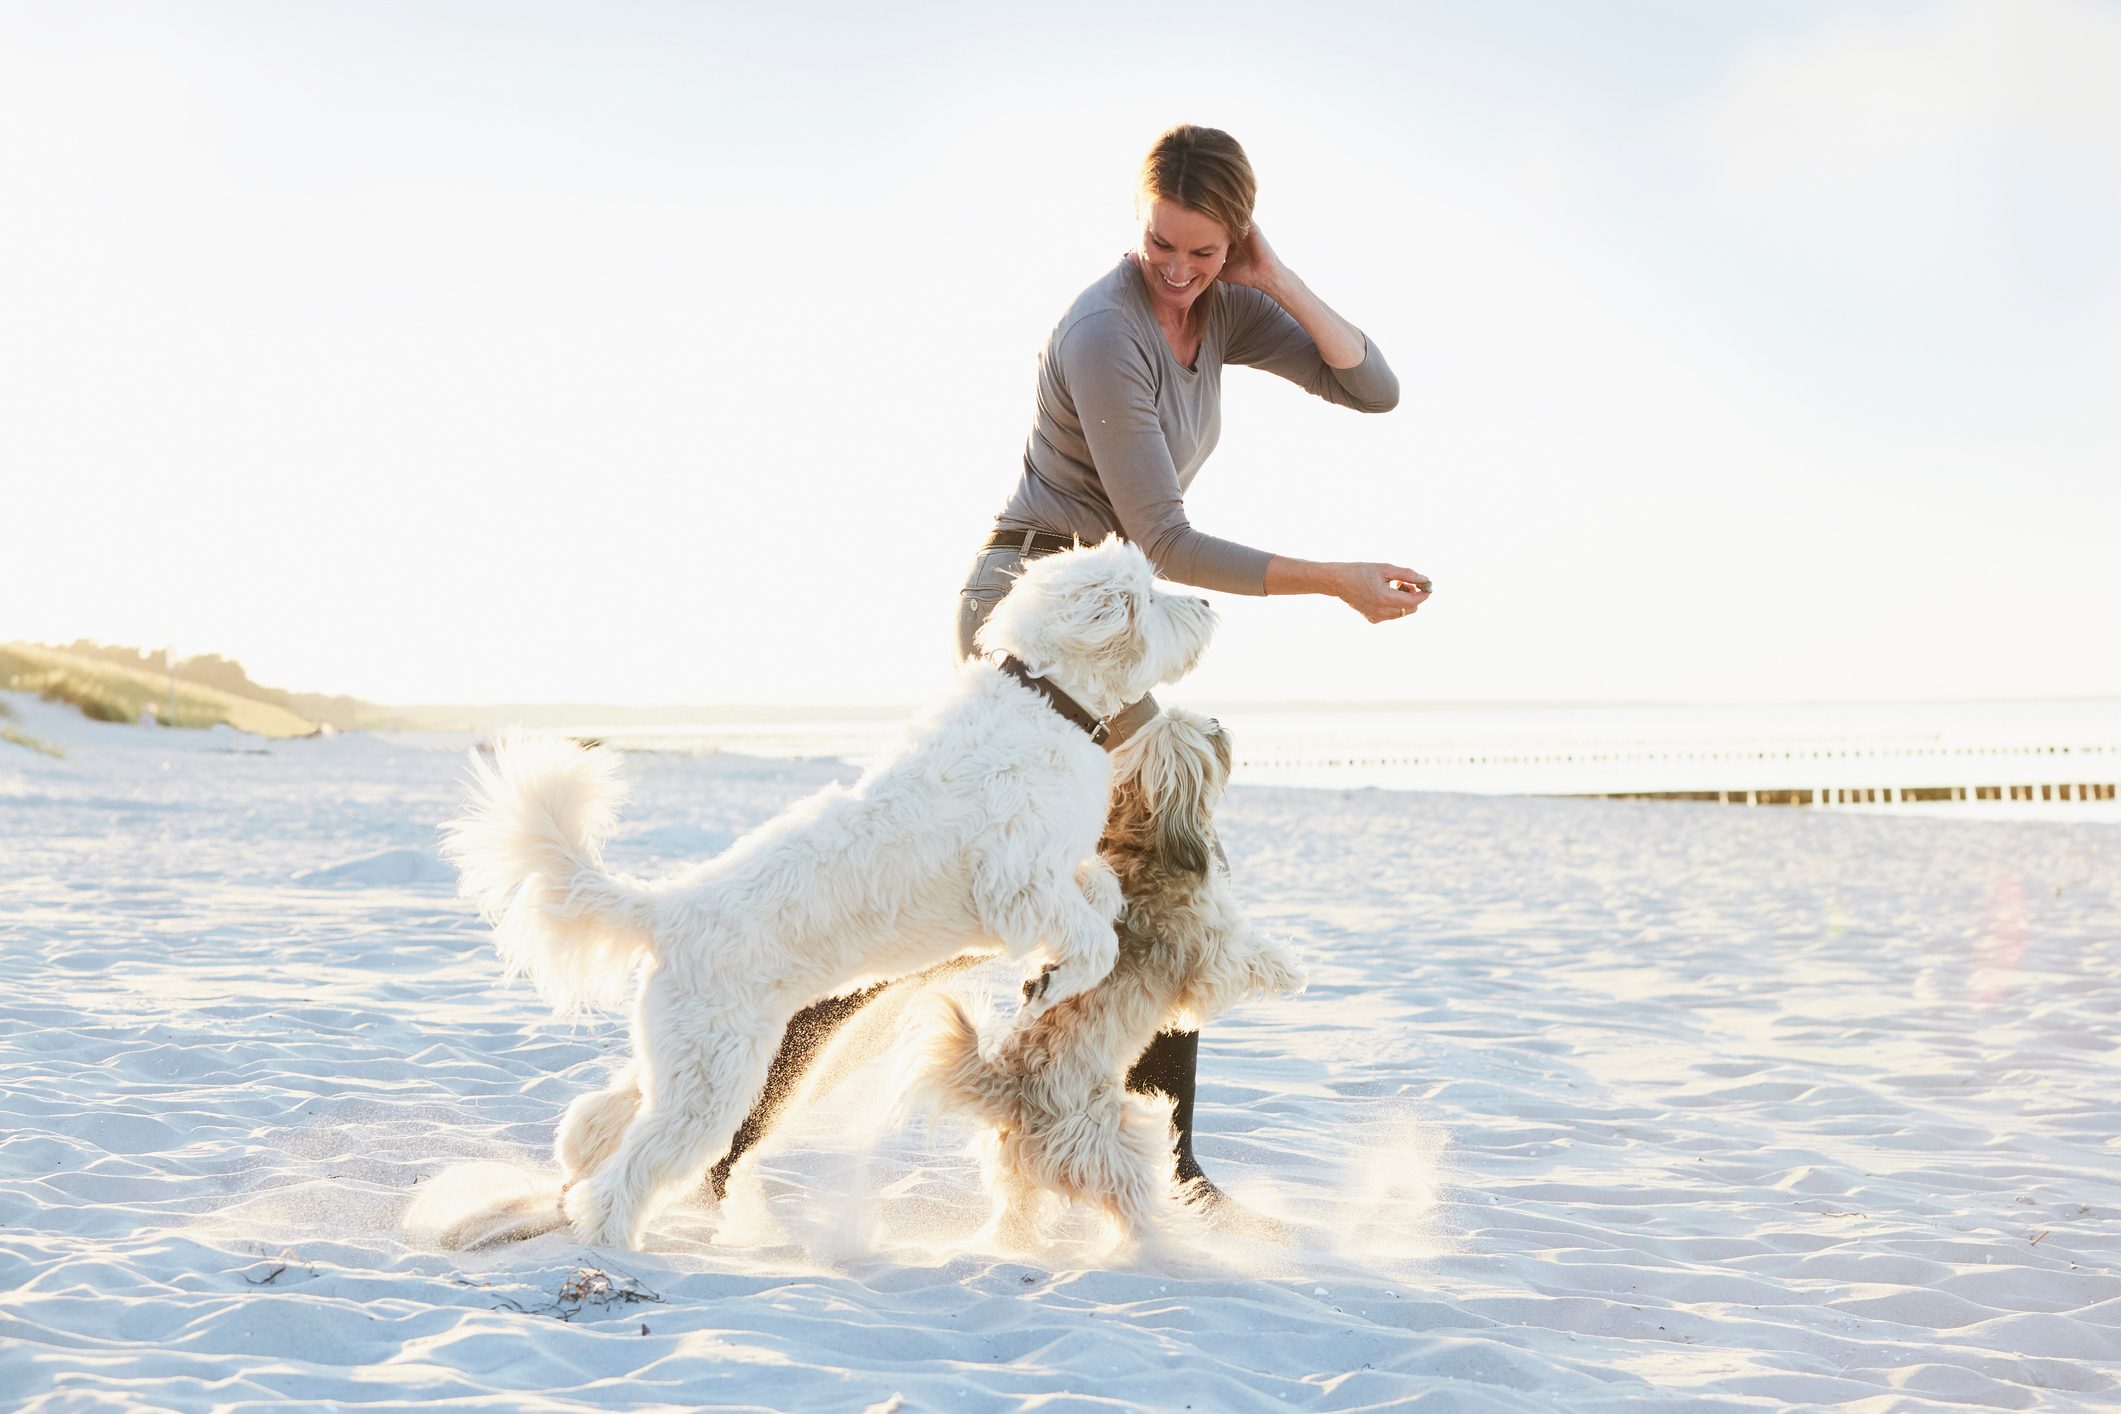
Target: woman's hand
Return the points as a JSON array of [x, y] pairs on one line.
[[1376, 591], [1253, 262], [1380, 592]]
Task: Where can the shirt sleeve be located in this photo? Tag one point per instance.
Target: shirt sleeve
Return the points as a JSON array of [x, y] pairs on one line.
[[1107, 373], [1264, 336]]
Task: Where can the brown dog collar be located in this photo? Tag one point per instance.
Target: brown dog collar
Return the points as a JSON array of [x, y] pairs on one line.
[[1099, 731]]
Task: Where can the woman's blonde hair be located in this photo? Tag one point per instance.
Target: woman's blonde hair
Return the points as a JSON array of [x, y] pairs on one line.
[[1204, 170]]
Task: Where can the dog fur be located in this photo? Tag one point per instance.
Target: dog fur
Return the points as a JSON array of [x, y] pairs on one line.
[[979, 833], [1051, 1086]]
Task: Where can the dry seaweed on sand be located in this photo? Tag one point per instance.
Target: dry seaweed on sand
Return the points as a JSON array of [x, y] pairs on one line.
[[587, 1289]]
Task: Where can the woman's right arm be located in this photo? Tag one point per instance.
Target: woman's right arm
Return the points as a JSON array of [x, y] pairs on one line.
[[1375, 590], [1108, 378]]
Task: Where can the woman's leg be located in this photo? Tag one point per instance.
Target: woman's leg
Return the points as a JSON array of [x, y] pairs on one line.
[[1168, 1067]]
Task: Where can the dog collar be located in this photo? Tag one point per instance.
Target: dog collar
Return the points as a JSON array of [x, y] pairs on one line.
[[1059, 701]]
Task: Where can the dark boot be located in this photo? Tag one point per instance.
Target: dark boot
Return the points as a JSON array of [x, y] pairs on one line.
[[1167, 1067]]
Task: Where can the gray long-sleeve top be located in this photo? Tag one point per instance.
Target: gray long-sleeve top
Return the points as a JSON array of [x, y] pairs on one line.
[[1122, 426]]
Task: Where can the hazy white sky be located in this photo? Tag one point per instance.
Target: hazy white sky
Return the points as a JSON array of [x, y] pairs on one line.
[[683, 352]]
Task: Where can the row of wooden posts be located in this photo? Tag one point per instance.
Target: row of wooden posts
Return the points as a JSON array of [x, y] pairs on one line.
[[1876, 795]]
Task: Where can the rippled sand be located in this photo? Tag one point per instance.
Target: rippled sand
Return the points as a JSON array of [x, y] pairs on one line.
[[1591, 1104]]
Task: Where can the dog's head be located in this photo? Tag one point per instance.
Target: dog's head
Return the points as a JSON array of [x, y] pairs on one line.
[[1166, 780], [1094, 622]]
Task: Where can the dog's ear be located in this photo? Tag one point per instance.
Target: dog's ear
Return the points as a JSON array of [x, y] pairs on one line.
[[1183, 840], [1107, 625], [1129, 821], [1174, 782]]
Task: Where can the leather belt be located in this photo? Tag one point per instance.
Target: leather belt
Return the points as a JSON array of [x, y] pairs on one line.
[[1029, 542]]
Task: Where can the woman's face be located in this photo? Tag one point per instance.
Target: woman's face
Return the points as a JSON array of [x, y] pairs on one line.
[[1181, 252]]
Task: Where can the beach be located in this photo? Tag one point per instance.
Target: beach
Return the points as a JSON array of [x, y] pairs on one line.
[[1590, 1103]]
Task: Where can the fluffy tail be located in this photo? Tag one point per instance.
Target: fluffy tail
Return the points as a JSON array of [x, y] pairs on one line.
[[484, 1204], [950, 1073], [529, 846]]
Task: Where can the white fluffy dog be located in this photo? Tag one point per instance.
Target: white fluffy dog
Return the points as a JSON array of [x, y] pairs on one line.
[[1052, 1085], [981, 832]]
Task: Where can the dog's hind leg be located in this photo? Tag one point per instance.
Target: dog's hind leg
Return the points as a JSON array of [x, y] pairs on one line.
[[590, 1129], [695, 1088], [1113, 1151], [1019, 1202], [1138, 1190], [809, 1033]]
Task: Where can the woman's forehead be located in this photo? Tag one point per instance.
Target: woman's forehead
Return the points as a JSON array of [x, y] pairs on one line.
[[1183, 226]]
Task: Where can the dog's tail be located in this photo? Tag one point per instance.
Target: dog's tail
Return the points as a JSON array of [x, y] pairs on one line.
[[529, 846], [483, 1204], [950, 1073]]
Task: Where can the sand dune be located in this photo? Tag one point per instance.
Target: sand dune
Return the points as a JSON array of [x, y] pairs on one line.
[[1591, 1105]]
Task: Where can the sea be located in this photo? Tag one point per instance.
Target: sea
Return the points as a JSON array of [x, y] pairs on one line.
[[2005, 759]]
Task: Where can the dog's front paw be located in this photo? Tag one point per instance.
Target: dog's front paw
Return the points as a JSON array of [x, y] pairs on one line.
[[1062, 980], [1035, 987], [1283, 974], [1100, 886]]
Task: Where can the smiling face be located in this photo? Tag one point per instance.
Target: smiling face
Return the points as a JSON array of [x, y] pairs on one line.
[[1182, 251]]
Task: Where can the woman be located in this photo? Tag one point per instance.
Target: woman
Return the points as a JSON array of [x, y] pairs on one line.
[[1129, 407]]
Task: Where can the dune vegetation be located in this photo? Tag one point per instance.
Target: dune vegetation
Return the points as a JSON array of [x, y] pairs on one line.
[[111, 691], [20, 737]]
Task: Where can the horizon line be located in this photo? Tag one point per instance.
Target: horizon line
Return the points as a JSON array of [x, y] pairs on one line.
[[1275, 703]]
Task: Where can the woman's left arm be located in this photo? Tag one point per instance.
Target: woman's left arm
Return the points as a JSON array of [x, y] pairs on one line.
[[1301, 337], [1254, 263]]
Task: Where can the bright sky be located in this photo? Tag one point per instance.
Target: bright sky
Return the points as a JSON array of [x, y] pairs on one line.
[[683, 352]]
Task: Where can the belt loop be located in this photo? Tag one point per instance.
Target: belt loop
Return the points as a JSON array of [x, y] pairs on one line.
[[1025, 548]]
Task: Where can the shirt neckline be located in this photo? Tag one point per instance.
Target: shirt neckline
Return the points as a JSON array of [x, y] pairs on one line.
[[1148, 313]]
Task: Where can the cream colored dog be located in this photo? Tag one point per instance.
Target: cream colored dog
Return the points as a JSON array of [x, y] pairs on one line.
[[979, 833], [1052, 1084]]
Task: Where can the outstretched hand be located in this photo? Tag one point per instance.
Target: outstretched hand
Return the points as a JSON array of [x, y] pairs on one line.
[[1380, 592]]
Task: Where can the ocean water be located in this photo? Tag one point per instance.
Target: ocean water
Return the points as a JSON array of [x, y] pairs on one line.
[[2037, 759]]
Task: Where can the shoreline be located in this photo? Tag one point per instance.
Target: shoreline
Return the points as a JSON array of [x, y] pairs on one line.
[[1808, 775]]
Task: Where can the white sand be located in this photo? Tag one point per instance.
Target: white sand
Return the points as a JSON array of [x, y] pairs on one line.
[[1591, 1104]]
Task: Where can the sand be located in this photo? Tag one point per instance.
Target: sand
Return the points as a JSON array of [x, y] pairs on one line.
[[1591, 1104]]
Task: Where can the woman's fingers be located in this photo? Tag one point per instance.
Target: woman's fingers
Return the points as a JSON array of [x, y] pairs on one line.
[[1402, 592], [1383, 592]]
